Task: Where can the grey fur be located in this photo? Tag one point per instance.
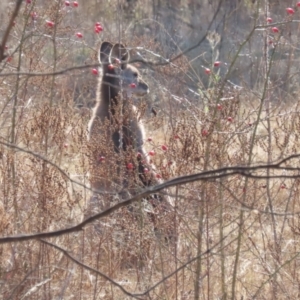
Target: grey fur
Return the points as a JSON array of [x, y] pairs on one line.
[[115, 84]]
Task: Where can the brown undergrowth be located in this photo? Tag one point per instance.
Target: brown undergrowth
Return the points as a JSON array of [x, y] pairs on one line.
[[44, 152]]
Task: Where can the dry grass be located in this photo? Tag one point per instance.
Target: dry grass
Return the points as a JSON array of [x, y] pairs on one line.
[[244, 231]]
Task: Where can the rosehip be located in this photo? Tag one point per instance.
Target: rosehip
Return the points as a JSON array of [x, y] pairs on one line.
[[75, 4], [149, 139], [298, 4], [269, 20], [132, 85], [67, 3], [110, 67], [207, 71], [95, 71], [79, 35], [229, 119], [151, 153], [129, 166], [275, 29], [146, 170], [98, 27], [290, 10], [97, 30], [217, 63], [164, 147], [50, 23], [101, 158], [219, 106]]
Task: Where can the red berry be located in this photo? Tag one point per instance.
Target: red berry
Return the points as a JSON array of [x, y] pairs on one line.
[[110, 67], [101, 158], [164, 147], [204, 132], [138, 155], [158, 176], [149, 139], [170, 163], [98, 27], [298, 4], [229, 119], [79, 35], [97, 30], [275, 29], [283, 186], [146, 170], [269, 20], [290, 10], [28, 1], [151, 153], [50, 23], [67, 3], [9, 59], [66, 145], [207, 71], [129, 166], [176, 136], [132, 85], [219, 106], [217, 63], [75, 4], [95, 71]]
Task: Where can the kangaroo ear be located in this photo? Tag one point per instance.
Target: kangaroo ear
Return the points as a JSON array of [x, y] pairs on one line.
[[104, 51], [120, 52]]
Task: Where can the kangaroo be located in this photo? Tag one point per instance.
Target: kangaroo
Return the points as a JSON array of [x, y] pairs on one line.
[[120, 81], [116, 133]]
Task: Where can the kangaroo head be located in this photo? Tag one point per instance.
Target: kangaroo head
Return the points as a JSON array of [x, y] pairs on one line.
[[118, 72]]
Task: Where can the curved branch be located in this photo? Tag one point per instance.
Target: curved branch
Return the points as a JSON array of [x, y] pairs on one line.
[[202, 176]]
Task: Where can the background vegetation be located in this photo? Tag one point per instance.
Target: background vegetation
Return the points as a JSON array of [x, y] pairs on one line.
[[223, 79]]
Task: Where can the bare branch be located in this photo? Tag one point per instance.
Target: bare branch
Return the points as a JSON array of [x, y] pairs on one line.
[[203, 176]]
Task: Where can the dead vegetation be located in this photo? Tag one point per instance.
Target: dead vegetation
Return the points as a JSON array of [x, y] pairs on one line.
[[236, 235]]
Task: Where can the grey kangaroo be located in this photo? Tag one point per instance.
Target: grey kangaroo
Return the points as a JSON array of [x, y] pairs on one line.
[[115, 119], [117, 132]]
